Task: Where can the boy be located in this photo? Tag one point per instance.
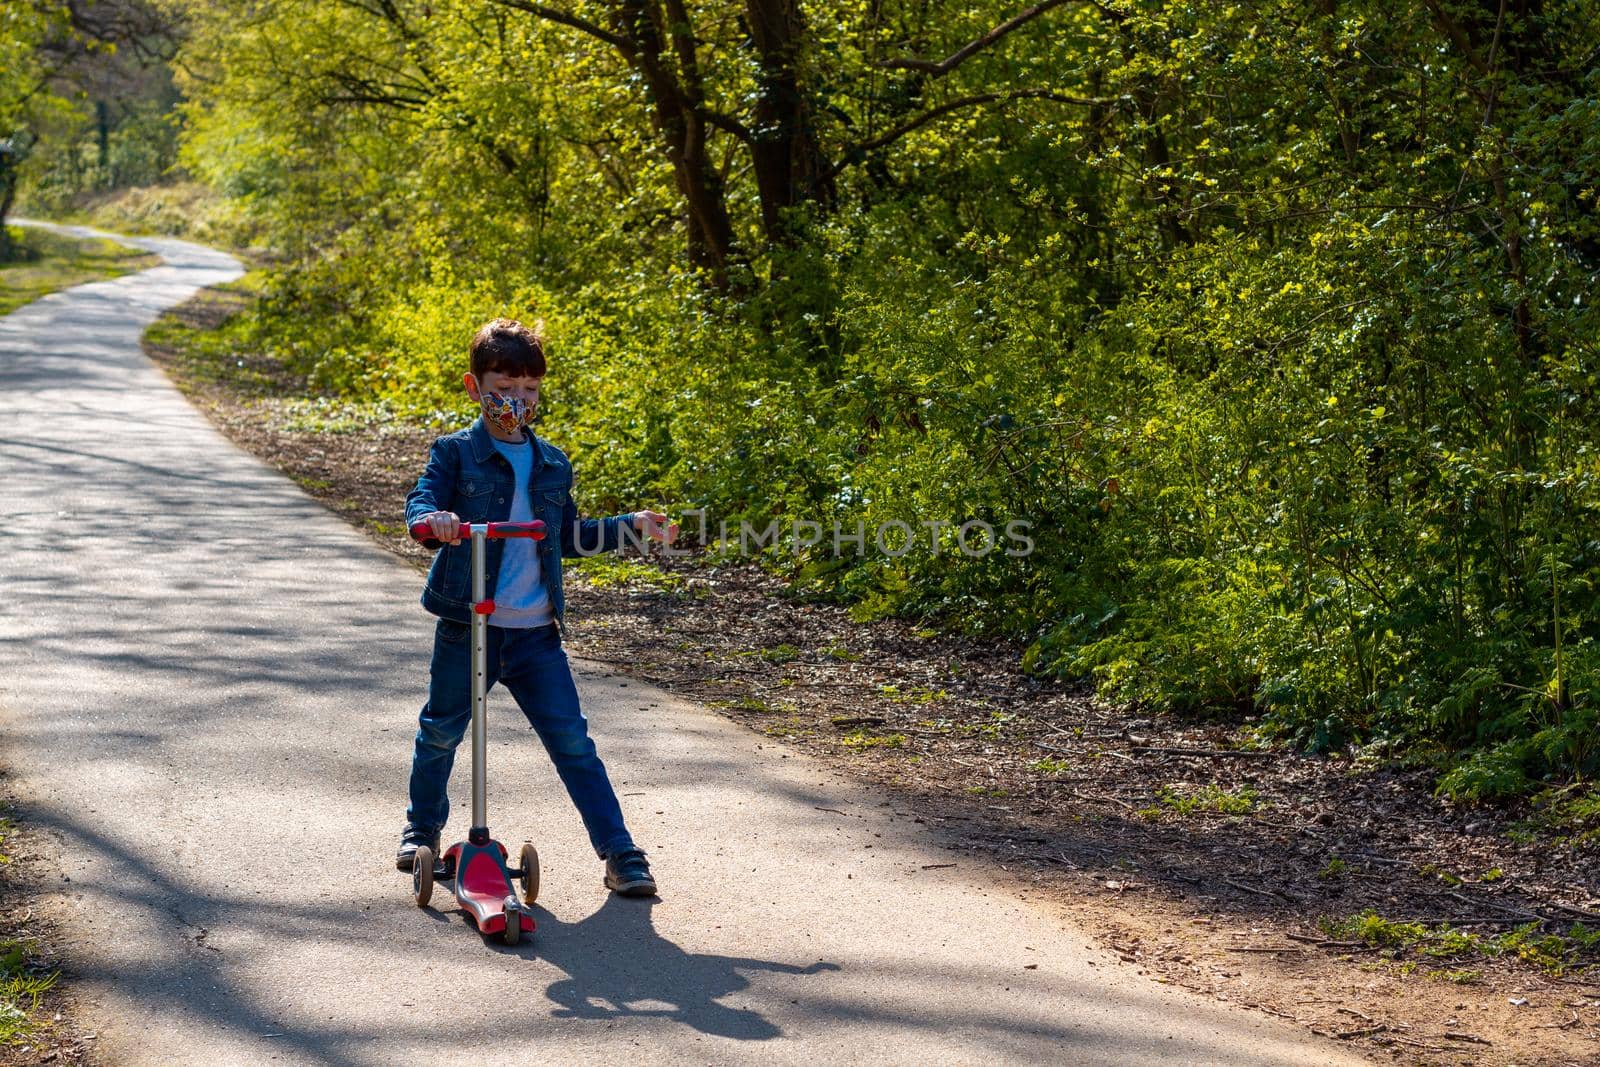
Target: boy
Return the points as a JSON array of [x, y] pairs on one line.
[[493, 471]]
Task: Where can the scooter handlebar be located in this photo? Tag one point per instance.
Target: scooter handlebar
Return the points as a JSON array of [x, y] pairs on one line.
[[534, 529], [423, 533]]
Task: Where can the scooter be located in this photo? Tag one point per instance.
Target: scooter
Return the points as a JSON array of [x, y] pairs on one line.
[[477, 866]]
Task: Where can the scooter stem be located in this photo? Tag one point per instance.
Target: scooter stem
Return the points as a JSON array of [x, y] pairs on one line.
[[482, 608], [480, 681]]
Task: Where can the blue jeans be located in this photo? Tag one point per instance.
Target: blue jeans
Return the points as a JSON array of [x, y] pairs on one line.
[[532, 665]]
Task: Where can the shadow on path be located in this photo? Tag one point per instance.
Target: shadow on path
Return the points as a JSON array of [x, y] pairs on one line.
[[619, 966]]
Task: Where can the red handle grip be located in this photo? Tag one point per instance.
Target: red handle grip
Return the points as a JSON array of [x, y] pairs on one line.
[[534, 529], [424, 533]]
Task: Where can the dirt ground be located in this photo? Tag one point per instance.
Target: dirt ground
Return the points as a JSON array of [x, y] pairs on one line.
[[1195, 862], [23, 927]]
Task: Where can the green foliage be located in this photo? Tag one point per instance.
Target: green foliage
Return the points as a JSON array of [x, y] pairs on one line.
[[1373, 929], [89, 151], [1566, 814], [83, 105], [1274, 323], [1555, 953], [1491, 774]]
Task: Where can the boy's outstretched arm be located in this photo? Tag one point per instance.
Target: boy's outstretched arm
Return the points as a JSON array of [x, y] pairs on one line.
[[589, 537], [581, 538]]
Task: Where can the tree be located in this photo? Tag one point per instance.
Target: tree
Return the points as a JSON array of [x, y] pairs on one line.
[[55, 58], [24, 97], [801, 106]]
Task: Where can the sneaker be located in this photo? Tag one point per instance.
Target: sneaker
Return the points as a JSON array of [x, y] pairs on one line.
[[410, 840], [628, 873]]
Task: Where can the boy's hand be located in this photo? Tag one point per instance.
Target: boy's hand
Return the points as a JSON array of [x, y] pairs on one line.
[[445, 526], [654, 526]]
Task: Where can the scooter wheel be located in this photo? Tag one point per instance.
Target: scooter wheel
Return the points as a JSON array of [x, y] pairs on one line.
[[529, 873], [513, 930], [422, 876]]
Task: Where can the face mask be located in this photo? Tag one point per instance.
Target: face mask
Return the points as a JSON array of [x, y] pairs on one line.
[[510, 413]]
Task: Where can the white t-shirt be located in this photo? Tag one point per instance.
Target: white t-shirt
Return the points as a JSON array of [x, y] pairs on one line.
[[520, 600]]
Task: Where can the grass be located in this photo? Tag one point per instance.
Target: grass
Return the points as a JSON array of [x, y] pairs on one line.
[[1556, 954], [754, 704], [608, 571], [206, 342], [178, 209], [208, 345], [911, 695], [1208, 798], [46, 262], [23, 983], [864, 739], [1463, 976]]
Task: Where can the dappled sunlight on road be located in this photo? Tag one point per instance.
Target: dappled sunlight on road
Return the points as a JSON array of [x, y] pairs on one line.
[[208, 689]]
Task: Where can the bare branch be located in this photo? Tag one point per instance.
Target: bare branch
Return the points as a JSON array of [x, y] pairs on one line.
[[1458, 37], [683, 39], [728, 123], [550, 14], [855, 153], [955, 59], [359, 90], [149, 33]]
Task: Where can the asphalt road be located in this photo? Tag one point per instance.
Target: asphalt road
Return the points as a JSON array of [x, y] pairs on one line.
[[208, 686]]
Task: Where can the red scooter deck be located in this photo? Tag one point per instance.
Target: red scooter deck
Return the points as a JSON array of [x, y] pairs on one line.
[[483, 886]]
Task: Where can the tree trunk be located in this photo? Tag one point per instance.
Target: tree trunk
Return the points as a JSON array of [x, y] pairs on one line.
[[788, 163], [8, 196], [678, 121], [102, 122]]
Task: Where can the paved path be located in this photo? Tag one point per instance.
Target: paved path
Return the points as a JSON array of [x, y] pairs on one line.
[[208, 685]]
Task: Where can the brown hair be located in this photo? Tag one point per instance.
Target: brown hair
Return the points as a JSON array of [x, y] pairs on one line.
[[507, 346]]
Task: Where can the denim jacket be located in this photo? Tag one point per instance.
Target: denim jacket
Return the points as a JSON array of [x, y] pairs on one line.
[[467, 475]]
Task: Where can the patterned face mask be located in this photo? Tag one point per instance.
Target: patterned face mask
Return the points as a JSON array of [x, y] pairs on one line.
[[510, 413]]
